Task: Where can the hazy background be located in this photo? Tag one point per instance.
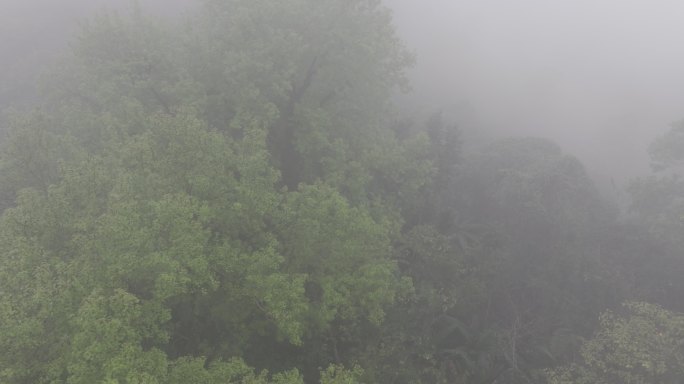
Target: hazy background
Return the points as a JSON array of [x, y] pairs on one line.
[[600, 77], [34, 32]]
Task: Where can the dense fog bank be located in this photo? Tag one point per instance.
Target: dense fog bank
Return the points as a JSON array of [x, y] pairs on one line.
[[603, 79]]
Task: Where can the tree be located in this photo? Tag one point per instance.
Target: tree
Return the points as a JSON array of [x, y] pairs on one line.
[[158, 214], [658, 200], [531, 218], [642, 345], [657, 209], [303, 60], [667, 151]]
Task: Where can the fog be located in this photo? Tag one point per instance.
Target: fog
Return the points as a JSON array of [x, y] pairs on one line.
[[33, 33], [224, 191], [602, 78]]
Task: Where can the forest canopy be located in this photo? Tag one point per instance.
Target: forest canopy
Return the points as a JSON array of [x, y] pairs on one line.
[[231, 196]]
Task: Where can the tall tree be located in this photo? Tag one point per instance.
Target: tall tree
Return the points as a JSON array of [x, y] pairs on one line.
[[145, 200]]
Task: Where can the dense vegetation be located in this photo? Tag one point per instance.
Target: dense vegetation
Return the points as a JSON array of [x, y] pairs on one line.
[[230, 198]]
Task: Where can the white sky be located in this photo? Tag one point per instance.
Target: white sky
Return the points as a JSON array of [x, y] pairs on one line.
[[602, 77]]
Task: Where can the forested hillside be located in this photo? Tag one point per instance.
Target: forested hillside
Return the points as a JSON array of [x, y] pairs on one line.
[[232, 197]]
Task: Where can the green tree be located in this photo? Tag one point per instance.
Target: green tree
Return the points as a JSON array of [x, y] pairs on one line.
[[328, 69], [146, 233], [642, 345]]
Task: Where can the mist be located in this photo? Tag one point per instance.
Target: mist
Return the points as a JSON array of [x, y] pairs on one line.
[[341, 191], [602, 78], [35, 33]]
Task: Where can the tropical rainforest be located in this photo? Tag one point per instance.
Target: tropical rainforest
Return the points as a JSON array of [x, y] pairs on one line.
[[231, 196]]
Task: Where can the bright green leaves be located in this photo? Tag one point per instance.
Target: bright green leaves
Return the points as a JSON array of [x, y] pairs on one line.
[[343, 252], [197, 371], [34, 307], [188, 197], [277, 294], [107, 344], [158, 249], [176, 154], [180, 218], [645, 345], [336, 374]]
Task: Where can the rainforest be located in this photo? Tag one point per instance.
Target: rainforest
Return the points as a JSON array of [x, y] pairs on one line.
[[240, 192]]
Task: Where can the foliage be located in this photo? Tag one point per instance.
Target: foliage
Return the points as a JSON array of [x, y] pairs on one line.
[[146, 238], [667, 151], [644, 345], [225, 199]]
